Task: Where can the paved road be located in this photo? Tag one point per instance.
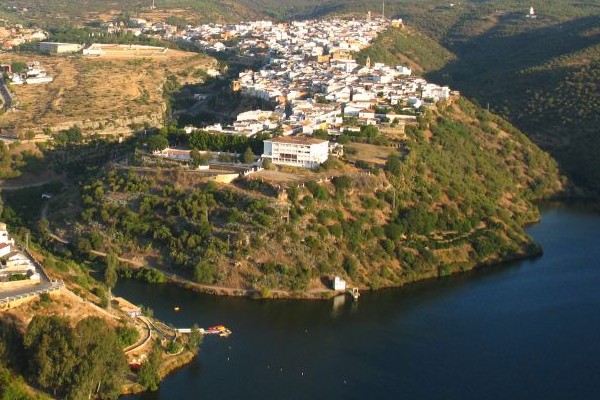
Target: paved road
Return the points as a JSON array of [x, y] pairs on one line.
[[45, 284], [142, 342], [30, 290]]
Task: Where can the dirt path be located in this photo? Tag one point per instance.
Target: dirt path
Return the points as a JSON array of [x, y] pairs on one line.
[[29, 180], [6, 185]]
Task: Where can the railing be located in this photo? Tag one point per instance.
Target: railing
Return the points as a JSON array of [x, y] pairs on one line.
[[54, 286]]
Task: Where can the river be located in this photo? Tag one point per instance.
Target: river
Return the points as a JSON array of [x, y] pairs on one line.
[[525, 330]]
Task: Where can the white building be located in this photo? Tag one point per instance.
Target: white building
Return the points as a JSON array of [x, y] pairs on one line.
[[298, 151], [339, 284], [4, 236], [16, 260], [254, 115], [59, 48], [175, 154]]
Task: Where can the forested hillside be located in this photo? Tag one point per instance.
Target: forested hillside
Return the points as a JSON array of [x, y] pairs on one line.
[[455, 194], [541, 73]]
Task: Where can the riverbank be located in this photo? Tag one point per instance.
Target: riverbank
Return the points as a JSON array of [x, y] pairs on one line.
[[530, 251], [532, 324], [169, 365]]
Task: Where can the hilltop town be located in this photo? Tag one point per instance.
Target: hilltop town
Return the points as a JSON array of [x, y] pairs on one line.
[[313, 82], [335, 175], [310, 75]]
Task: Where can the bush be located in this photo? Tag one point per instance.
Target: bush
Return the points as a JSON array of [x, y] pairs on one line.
[[128, 335]]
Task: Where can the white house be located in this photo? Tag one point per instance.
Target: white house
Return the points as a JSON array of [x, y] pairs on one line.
[[175, 154], [4, 236], [5, 248], [299, 151], [415, 102], [339, 284], [17, 261]]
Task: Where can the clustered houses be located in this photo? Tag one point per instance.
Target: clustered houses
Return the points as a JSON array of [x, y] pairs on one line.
[[15, 35], [312, 77], [13, 262], [315, 83]]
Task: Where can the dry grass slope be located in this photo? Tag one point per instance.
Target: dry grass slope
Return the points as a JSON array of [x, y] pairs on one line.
[[103, 94]]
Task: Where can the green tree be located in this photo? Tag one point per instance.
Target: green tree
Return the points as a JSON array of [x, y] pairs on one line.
[[393, 165], [267, 163], [204, 272], [369, 131], [157, 142], [351, 266], [248, 156], [110, 274], [75, 364], [127, 335], [321, 134], [52, 358], [101, 363], [194, 339], [148, 374]]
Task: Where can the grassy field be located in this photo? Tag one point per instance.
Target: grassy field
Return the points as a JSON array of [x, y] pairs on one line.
[[103, 94]]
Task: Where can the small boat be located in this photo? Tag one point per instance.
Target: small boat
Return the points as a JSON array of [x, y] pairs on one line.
[[216, 330]]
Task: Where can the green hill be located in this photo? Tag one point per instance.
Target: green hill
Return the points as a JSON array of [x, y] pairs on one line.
[[455, 194], [542, 74]]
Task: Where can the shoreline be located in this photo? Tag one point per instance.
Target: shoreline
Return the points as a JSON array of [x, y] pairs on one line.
[[168, 366], [533, 250]]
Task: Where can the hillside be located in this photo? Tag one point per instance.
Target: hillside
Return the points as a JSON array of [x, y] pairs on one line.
[[455, 195], [552, 93], [476, 47], [106, 94], [52, 13], [407, 47]]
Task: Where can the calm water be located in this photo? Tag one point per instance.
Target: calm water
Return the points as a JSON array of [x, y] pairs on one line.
[[529, 330]]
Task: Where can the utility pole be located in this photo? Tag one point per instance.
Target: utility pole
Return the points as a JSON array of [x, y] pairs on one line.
[[383, 10]]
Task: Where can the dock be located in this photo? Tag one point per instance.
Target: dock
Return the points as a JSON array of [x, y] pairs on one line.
[[219, 330], [354, 293]]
